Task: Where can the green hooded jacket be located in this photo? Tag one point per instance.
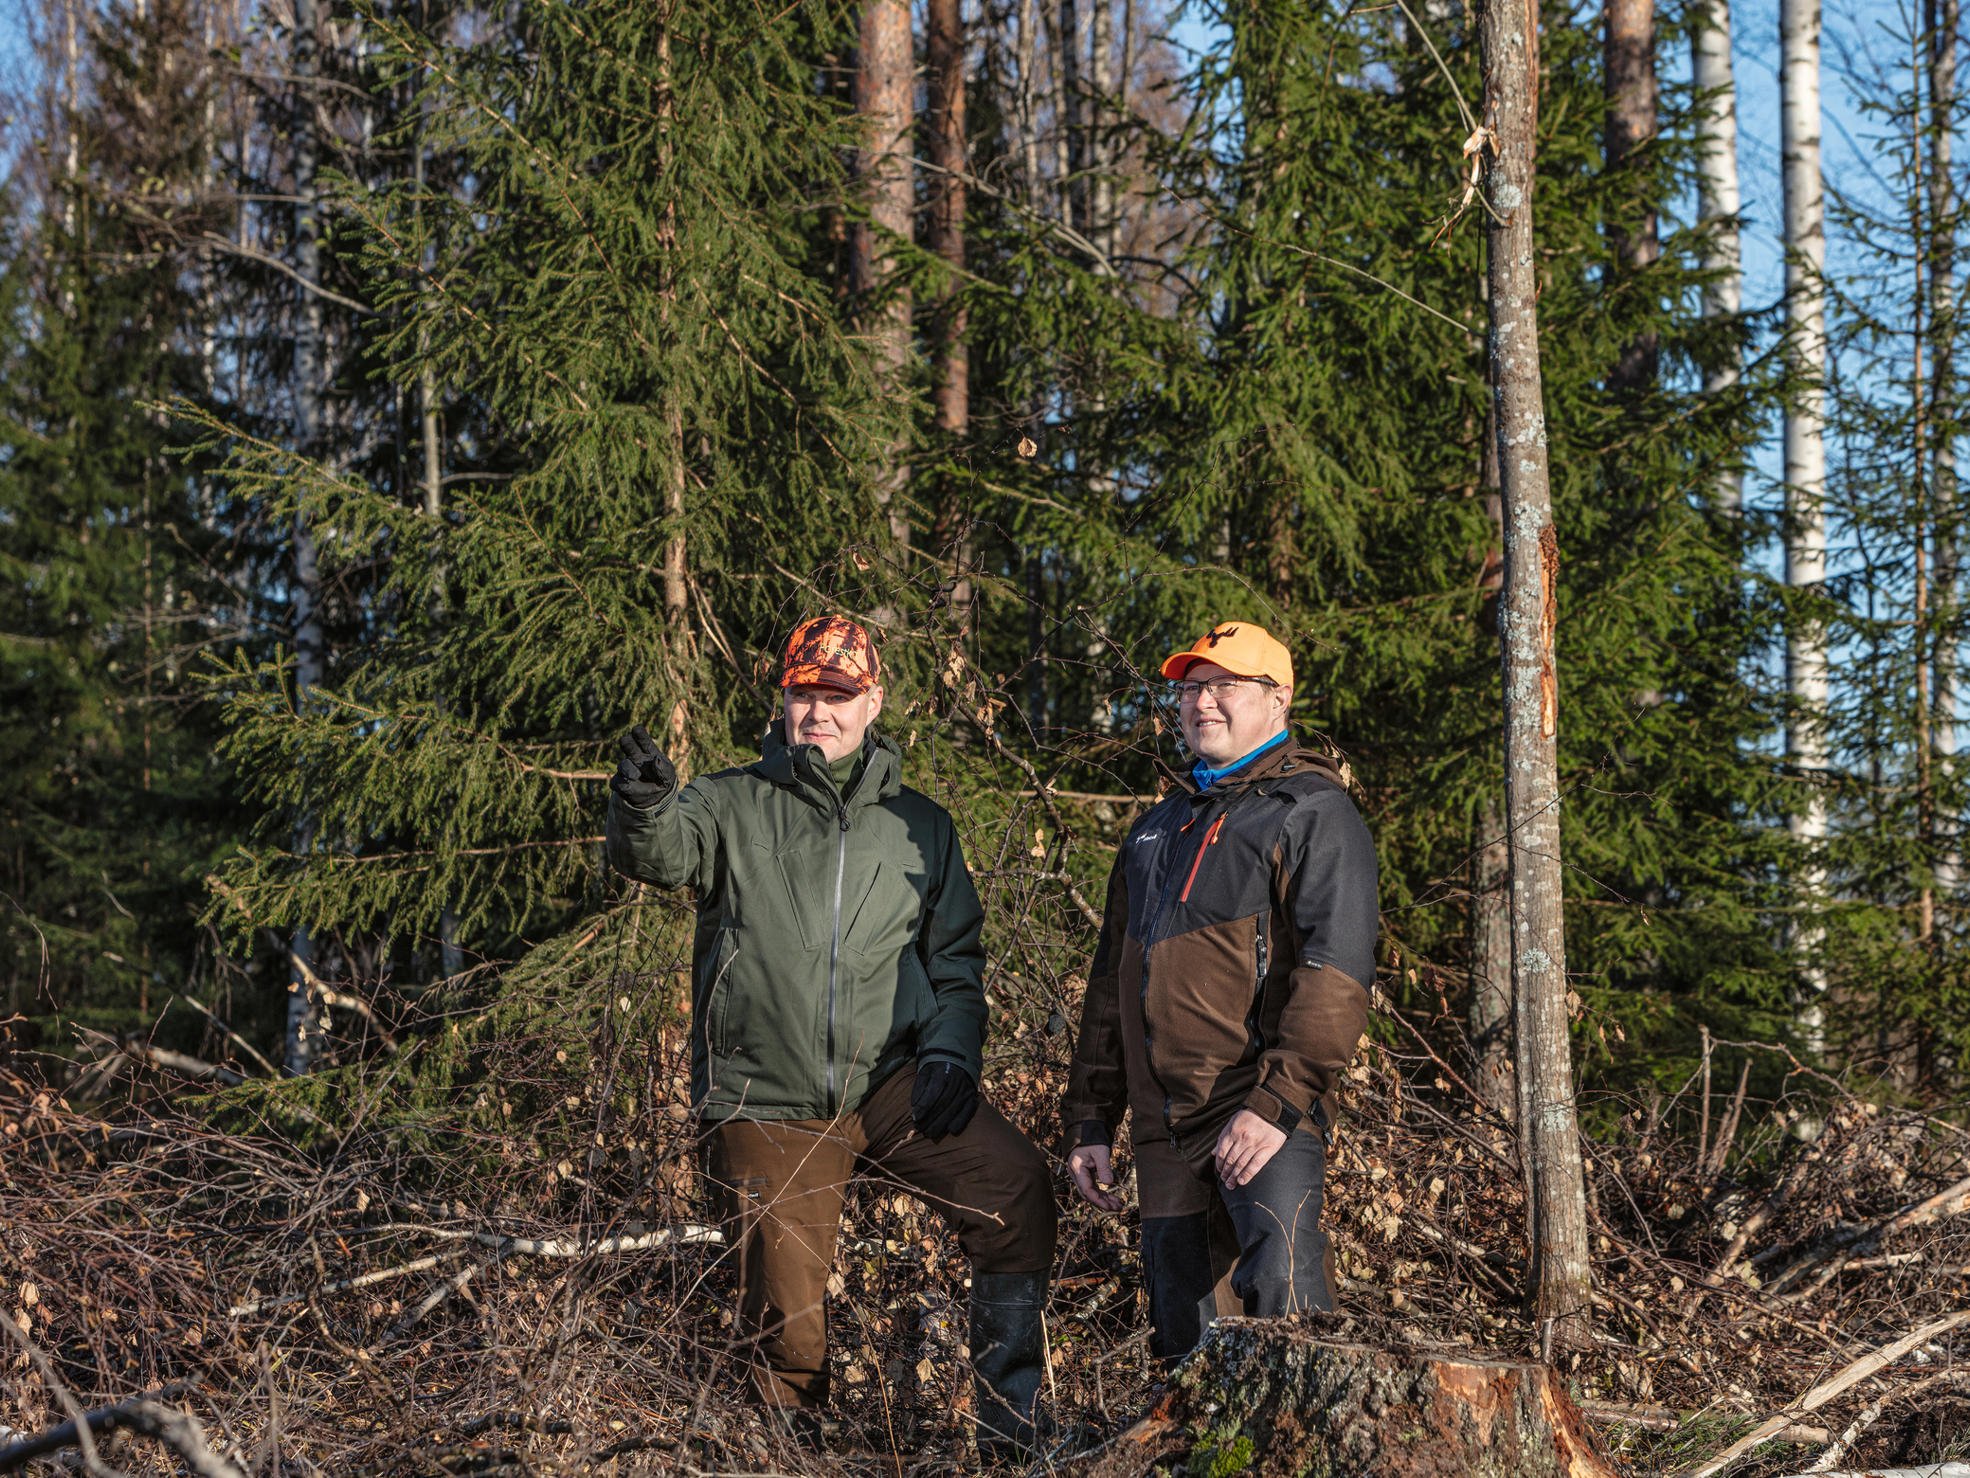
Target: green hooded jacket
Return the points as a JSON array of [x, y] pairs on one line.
[[837, 936]]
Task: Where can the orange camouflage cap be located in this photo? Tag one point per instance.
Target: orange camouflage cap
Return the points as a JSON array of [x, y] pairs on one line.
[[833, 652], [1240, 648]]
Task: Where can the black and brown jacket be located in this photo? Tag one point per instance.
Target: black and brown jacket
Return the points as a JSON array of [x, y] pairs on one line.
[[1234, 961]]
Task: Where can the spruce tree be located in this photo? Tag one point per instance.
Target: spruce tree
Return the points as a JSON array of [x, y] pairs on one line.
[[110, 549], [624, 297]]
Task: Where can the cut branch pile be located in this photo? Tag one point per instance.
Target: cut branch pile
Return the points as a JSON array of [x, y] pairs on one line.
[[520, 1275]]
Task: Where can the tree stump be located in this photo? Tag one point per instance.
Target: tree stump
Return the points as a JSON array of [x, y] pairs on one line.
[[1271, 1397]]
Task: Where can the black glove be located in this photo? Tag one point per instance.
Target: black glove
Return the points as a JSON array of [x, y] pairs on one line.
[[943, 1100], [643, 775]]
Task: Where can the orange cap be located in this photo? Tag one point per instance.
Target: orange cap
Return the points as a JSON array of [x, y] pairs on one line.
[[830, 651], [1239, 648]]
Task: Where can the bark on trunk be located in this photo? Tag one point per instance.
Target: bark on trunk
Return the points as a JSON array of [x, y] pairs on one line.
[[1273, 1397], [1548, 1131], [303, 1019], [1718, 202], [1805, 468], [945, 54], [1629, 57], [451, 959], [1491, 966], [1101, 225], [885, 101], [944, 51], [1491, 881], [1942, 19], [676, 575]]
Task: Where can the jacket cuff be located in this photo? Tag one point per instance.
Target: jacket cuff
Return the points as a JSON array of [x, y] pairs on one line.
[[620, 804], [1274, 1110], [944, 1054], [1091, 1131]]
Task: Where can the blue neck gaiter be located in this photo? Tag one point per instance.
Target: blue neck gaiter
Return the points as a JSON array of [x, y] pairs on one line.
[[1206, 777]]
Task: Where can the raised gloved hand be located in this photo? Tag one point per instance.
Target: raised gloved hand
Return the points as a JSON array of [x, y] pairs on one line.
[[943, 1100], [644, 774]]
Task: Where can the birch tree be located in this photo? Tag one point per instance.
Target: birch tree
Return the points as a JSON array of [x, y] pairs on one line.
[[1805, 468], [1549, 1136], [1718, 200]]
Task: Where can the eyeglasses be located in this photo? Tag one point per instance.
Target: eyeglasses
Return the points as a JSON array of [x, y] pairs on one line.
[[1220, 688]]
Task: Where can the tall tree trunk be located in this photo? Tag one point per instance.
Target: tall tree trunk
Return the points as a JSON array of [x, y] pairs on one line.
[[1026, 104], [1102, 223], [1491, 965], [885, 101], [1805, 470], [1942, 19], [944, 48], [1718, 202], [1549, 1134], [1629, 55], [676, 572], [451, 959], [303, 1020], [1070, 113], [1491, 863]]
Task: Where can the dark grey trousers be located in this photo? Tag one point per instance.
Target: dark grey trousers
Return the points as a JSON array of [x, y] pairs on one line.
[[1209, 1250]]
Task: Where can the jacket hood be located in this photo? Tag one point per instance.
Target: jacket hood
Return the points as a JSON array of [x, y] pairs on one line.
[[802, 767]]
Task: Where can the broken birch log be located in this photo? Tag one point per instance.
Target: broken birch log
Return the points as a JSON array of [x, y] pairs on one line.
[[1274, 1397]]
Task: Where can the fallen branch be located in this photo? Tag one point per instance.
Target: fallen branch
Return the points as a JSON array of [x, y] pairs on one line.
[[1949, 1201], [1755, 1222], [1871, 1413], [1826, 1390], [178, 1430], [686, 1234], [1667, 1419], [343, 1285]]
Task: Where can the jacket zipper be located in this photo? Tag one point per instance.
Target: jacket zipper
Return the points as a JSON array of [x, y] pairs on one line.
[[834, 946], [1210, 840]]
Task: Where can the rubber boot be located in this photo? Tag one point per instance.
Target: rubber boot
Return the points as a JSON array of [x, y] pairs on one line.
[[1008, 1361]]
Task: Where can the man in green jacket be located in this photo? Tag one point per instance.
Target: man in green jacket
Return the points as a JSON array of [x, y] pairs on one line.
[[839, 1021]]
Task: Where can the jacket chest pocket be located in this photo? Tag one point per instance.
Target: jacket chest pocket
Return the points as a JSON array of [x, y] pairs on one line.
[[788, 894], [886, 919]]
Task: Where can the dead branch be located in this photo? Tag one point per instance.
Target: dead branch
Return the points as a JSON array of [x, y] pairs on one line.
[[1755, 1222], [1842, 1380], [1950, 1201], [343, 1285], [177, 1430], [1667, 1419]]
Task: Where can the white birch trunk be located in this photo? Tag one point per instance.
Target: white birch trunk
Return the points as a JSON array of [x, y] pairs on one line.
[[1549, 1134], [1718, 201], [1805, 469]]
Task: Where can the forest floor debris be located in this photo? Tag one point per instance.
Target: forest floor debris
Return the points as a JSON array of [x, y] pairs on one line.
[[531, 1286]]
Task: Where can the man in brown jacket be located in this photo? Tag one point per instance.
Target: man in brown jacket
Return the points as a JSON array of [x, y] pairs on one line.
[[1227, 994]]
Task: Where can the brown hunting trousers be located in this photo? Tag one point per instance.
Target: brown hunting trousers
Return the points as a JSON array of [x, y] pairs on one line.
[[780, 1185]]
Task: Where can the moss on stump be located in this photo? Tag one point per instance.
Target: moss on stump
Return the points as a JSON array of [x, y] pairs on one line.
[[1272, 1397]]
